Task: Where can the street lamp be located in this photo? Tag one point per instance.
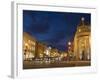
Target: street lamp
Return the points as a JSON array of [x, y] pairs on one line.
[[69, 43], [69, 46], [69, 49]]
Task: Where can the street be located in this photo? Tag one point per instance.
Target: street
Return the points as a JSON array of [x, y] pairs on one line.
[[36, 65]]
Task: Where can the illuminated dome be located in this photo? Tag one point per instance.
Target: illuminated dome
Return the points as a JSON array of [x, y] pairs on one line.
[[83, 27]]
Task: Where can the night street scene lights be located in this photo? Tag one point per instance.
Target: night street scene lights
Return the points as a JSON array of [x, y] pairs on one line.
[[45, 35]]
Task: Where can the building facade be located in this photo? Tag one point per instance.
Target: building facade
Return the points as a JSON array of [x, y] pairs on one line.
[[82, 47], [32, 49], [29, 46], [40, 50]]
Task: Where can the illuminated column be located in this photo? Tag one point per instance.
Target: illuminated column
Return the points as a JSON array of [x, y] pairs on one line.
[[76, 47]]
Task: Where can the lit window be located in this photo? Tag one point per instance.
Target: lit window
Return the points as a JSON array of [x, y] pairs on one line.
[[26, 44], [29, 41], [33, 43], [79, 30]]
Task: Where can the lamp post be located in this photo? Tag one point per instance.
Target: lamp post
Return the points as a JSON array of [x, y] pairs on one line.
[[69, 49], [69, 46]]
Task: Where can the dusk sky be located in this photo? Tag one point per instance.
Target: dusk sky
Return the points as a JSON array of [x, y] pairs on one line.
[[53, 28]]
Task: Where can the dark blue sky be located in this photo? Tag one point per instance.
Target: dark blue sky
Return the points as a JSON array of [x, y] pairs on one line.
[[53, 28]]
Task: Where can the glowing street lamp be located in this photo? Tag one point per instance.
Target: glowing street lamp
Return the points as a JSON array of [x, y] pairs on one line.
[[69, 43]]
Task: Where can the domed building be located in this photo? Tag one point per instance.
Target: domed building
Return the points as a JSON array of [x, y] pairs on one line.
[[82, 47]]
